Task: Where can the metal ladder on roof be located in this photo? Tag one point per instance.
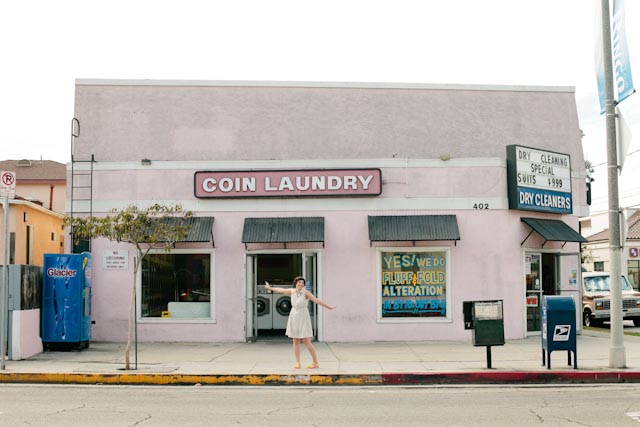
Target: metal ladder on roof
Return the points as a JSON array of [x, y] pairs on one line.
[[81, 191]]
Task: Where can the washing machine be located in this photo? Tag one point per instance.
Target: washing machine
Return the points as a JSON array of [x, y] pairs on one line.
[[281, 308], [264, 308]]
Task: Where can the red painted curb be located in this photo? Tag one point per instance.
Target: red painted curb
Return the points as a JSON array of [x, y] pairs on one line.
[[550, 377]]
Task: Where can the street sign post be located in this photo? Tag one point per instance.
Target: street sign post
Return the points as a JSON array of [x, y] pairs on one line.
[[7, 191]]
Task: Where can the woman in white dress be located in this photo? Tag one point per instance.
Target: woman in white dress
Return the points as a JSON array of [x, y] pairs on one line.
[[299, 323]]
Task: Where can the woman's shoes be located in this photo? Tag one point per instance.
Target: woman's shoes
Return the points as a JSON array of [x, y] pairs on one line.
[[312, 366]]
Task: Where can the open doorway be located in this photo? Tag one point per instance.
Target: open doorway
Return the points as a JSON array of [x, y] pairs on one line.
[[549, 269], [541, 273], [269, 312]]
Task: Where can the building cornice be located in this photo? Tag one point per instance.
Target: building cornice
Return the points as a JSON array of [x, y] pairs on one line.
[[324, 85]]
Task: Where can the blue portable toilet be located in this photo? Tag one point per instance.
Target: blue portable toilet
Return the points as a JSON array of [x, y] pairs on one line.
[[559, 328], [66, 301]]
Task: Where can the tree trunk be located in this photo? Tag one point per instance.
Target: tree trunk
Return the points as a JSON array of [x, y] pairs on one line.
[[132, 313]]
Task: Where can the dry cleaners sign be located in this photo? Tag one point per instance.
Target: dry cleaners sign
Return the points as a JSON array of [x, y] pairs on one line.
[[288, 183], [539, 180]]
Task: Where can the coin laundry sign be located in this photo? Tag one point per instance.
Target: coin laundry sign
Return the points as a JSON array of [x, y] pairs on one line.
[[292, 183], [539, 180]]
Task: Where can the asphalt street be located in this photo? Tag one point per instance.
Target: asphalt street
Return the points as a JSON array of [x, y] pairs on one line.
[[69, 406]]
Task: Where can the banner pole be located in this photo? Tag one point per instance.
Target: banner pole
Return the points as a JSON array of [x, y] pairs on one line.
[[617, 357]]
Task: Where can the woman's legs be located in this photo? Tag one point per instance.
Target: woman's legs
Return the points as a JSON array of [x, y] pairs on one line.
[[311, 349], [296, 350]]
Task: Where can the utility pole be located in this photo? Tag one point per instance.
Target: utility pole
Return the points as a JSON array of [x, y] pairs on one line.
[[617, 356]]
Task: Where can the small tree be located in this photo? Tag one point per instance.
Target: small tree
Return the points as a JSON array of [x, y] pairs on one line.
[[156, 227], [585, 254]]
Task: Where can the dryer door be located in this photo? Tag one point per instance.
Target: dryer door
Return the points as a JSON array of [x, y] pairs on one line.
[[283, 305], [265, 318]]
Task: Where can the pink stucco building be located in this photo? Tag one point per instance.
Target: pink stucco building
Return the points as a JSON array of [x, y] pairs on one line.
[[396, 202]]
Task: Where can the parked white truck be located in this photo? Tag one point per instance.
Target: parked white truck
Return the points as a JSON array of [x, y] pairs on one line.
[[596, 300]]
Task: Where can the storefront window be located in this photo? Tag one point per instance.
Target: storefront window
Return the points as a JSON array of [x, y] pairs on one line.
[[414, 284], [633, 273], [176, 285]]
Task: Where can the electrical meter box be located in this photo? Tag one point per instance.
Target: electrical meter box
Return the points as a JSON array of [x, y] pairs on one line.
[[488, 323]]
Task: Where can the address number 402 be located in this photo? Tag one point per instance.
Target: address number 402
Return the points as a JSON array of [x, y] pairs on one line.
[[481, 206]]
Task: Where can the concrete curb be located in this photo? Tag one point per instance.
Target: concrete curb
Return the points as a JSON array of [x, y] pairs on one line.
[[186, 379], [439, 378], [515, 377]]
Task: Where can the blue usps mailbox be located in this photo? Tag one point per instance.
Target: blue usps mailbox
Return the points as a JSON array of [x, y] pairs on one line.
[[559, 328]]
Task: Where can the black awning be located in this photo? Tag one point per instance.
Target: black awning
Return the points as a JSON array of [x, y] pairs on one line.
[[283, 230], [413, 228], [552, 230], [200, 228]]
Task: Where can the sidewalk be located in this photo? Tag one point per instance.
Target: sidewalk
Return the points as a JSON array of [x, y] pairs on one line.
[[377, 363]]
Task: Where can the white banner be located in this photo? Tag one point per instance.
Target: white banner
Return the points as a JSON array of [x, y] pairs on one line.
[[623, 138]]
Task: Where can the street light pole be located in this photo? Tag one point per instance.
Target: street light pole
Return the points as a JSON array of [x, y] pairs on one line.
[[617, 357]]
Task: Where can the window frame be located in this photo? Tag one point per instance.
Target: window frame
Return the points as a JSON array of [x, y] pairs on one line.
[[633, 270], [173, 320], [448, 318]]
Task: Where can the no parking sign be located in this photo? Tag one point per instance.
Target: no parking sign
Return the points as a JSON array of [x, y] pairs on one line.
[[8, 184]]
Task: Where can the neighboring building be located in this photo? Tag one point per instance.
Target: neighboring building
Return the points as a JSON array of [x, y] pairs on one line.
[[597, 248], [40, 181], [33, 231], [36, 214], [397, 202]]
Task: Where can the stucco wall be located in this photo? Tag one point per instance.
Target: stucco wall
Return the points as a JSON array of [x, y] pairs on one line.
[[487, 263], [132, 120], [51, 196], [42, 222], [441, 150]]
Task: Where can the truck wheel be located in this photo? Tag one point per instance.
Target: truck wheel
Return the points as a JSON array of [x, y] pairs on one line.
[[589, 321], [636, 322], [586, 318]]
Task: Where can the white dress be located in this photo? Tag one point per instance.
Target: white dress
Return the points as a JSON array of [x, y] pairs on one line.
[[299, 323]]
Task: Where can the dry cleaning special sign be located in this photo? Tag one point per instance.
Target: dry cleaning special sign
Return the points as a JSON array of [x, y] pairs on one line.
[[288, 183], [539, 180]]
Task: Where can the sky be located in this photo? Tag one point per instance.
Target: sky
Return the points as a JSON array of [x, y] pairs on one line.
[[47, 45]]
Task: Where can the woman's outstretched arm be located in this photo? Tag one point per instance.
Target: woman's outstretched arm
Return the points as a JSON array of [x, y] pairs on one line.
[[318, 301], [268, 287]]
